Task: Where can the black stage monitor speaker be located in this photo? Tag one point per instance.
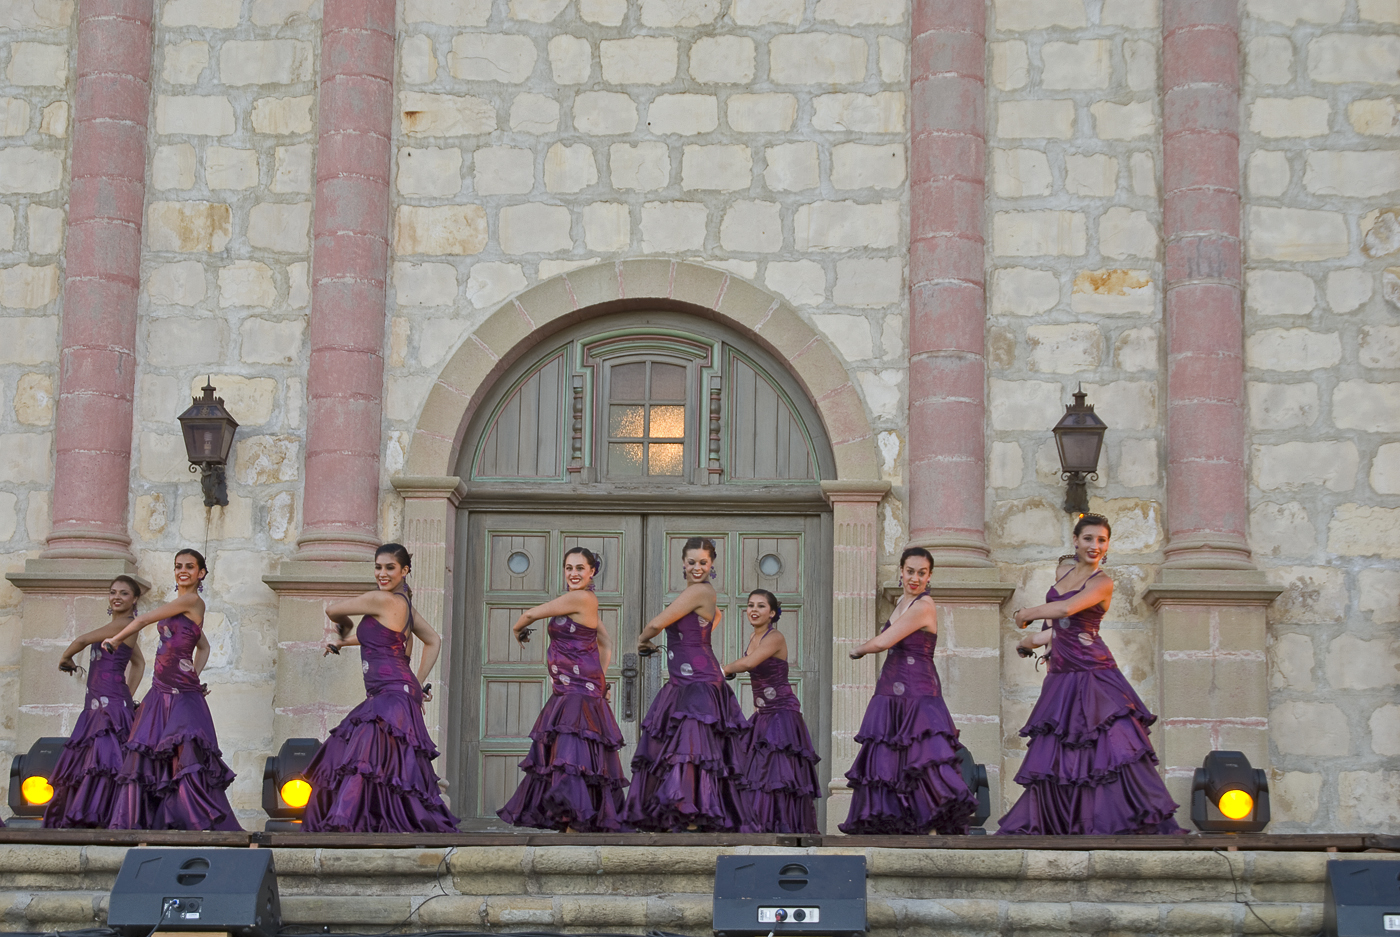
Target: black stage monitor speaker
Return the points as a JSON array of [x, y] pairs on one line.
[[1362, 898], [232, 890], [760, 895]]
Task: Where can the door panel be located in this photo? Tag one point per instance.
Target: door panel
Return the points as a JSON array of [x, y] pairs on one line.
[[514, 561]]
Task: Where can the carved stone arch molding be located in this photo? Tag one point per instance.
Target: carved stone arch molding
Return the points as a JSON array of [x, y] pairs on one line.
[[432, 491]]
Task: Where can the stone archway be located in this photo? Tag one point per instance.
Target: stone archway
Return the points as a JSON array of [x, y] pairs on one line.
[[432, 492]]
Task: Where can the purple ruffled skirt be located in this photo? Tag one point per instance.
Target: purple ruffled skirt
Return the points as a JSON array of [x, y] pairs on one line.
[[573, 775], [779, 785], [375, 775], [1090, 768], [907, 778], [85, 779], [685, 771], [173, 776]]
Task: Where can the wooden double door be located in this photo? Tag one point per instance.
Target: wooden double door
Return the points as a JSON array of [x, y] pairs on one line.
[[515, 561]]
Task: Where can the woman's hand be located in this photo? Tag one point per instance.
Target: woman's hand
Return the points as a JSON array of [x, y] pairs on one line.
[[109, 647], [646, 648], [856, 655], [522, 635], [67, 666], [1021, 618], [332, 645]]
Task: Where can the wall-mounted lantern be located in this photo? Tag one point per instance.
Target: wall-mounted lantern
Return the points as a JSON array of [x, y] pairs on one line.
[[1079, 438], [209, 430]]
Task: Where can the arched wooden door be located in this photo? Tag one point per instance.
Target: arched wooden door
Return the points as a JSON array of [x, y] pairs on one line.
[[628, 435]]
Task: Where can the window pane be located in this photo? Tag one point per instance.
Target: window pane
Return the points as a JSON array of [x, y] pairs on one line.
[[628, 382], [665, 458], [666, 423], [667, 381], [625, 422], [625, 458]]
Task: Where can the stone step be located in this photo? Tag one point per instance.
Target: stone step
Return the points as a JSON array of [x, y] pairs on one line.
[[581, 889]]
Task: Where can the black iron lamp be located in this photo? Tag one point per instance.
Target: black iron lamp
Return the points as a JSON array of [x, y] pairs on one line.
[[31, 781], [1228, 795], [209, 430], [1079, 438], [286, 790]]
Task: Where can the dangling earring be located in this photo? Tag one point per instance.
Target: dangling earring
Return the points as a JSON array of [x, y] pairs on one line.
[[200, 587], [714, 573], [110, 610]]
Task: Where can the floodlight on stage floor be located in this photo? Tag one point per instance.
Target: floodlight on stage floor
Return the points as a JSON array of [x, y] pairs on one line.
[[286, 790], [229, 890], [796, 894], [31, 781], [1228, 795]]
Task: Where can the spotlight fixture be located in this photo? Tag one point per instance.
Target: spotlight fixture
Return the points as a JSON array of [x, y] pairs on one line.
[[31, 781], [286, 791], [1079, 439], [1229, 795], [975, 775]]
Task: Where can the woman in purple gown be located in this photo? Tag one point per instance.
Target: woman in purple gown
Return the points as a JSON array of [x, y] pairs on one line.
[[685, 772], [779, 785], [85, 779], [907, 776], [375, 774], [573, 776], [1089, 767], [173, 776]]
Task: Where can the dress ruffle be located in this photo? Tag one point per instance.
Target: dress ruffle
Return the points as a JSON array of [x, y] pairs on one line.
[[85, 779], [1089, 768], [779, 785], [907, 777], [173, 776], [374, 773], [684, 772], [573, 775]]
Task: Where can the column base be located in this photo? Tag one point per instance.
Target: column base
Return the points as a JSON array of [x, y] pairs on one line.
[[954, 551], [1213, 678], [73, 575]]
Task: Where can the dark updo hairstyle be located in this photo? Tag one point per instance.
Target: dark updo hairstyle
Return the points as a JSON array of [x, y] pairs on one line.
[[136, 589], [401, 556], [915, 551], [594, 561], [700, 543], [1092, 520], [198, 558], [773, 603]]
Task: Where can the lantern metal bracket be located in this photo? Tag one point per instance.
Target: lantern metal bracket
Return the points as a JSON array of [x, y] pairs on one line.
[[213, 481], [1077, 492]]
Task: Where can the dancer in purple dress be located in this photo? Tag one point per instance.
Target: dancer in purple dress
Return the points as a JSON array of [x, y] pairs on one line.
[[174, 776], [1089, 767], [85, 779], [685, 772], [907, 776], [375, 774], [573, 776], [779, 784]]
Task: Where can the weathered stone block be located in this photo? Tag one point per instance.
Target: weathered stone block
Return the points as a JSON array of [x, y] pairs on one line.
[[38, 64], [1352, 174], [503, 170], [265, 61], [1017, 405], [1370, 407], [1353, 57], [429, 171], [668, 227], [504, 57], [640, 60], [1267, 172], [791, 167], [271, 341], [246, 283], [607, 226], [644, 167], [1011, 66], [535, 229], [188, 226], [195, 114], [1304, 727], [292, 169], [1020, 173], [1037, 233], [1053, 119], [1292, 465], [1377, 117], [604, 113], [227, 167], [1076, 65], [569, 168], [1281, 530], [817, 58], [846, 225], [1361, 530], [1028, 15], [1269, 60], [1123, 121], [279, 226], [216, 14], [1296, 234], [443, 230], [1291, 12], [869, 283], [1094, 175], [425, 284], [860, 113], [34, 398], [762, 12], [445, 115], [1279, 293], [178, 284], [721, 60], [860, 166], [418, 63], [283, 115], [29, 169], [683, 114], [722, 167], [752, 227], [31, 340], [802, 282], [1064, 349], [1127, 233], [761, 113]]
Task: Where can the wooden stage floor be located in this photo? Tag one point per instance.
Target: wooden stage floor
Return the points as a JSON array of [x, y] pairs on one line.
[[1270, 842]]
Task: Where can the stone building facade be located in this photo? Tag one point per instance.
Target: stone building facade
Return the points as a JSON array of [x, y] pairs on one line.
[[937, 220]]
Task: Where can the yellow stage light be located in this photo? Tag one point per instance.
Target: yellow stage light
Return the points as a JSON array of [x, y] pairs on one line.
[[1236, 804], [296, 793], [37, 791]]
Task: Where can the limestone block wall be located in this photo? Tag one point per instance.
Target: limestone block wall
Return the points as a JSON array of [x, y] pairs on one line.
[[764, 137], [1321, 148], [36, 88], [1075, 296]]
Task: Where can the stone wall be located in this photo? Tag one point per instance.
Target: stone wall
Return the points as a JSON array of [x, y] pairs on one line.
[[611, 889], [1321, 147]]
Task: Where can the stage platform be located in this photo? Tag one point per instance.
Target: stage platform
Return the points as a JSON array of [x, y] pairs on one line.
[[632, 883]]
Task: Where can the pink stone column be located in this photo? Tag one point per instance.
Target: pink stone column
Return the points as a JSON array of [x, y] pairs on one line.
[[1206, 486], [102, 273], [947, 321], [349, 265]]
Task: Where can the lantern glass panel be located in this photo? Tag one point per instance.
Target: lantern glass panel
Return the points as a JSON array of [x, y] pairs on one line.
[[1079, 452]]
